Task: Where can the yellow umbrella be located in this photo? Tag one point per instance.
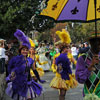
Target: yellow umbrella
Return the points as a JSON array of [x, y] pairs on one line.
[[73, 10]]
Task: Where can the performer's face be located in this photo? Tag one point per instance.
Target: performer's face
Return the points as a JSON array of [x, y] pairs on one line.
[[66, 50], [24, 52], [32, 50]]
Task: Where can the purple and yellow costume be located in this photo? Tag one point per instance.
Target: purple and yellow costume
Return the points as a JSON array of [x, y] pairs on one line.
[[40, 70], [90, 79], [63, 79], [22, 86]]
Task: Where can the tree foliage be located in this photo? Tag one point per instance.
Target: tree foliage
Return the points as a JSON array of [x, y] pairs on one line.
[[24, 15], [16, 14], [42, 23], [81, 31]]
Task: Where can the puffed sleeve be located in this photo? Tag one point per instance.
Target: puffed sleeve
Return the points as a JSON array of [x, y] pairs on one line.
[[11, 64], [82, 73], [40, 63], [31, 61]]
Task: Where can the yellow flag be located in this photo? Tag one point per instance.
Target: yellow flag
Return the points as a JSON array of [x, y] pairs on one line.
[[54, 8]]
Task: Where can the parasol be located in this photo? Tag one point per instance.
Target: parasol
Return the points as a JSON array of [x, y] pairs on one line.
[[73, 10]]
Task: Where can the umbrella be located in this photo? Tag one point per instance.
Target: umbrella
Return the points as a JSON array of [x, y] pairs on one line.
[[73, 10]]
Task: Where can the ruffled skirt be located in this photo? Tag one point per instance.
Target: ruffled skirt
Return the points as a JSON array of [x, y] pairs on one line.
[[43, 58], [34, 90], [59, 83]]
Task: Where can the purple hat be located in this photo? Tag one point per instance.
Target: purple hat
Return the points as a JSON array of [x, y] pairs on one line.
[[22, 38]]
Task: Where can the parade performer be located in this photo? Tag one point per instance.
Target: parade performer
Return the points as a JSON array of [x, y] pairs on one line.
[[88, 68], [20, 84], [2, 57], [70, 56], [64, 79], [43, 58], [35, 57]]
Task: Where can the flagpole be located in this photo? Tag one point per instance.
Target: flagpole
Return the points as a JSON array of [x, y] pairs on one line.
[[95, 4]]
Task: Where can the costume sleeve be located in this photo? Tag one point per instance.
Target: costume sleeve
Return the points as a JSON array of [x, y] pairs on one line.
[[58, 60], [11, 65], [15, 63], [67, 61], [72, 58], [75, 62], [54, 68], [40, 63], [82, 73]]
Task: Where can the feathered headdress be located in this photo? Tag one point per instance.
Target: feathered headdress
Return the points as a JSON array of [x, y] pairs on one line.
[[32, 43], [22, 38], [64, 36]]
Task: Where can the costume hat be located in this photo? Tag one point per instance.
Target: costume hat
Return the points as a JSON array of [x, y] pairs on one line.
[[22, 38], [64, 36]]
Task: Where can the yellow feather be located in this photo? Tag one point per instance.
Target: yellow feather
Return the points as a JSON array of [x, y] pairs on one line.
[[58, 33], [32, 43], [64, 36]]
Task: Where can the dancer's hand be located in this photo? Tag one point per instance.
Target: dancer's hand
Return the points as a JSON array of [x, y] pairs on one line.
[[94, 61], [12, 77]]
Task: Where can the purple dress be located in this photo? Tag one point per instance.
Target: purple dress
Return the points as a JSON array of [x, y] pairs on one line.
[[63, 61], [22, 86], [64, 79]]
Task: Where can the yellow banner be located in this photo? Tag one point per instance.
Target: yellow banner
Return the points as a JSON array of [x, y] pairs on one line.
[[54, 8], [91, 10], [98, 9]]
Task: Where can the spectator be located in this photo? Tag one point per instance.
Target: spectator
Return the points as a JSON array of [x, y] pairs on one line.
[[2, 57], [74, 53]]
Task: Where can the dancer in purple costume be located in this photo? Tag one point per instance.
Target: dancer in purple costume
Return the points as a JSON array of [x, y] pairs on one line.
[[20, 84]]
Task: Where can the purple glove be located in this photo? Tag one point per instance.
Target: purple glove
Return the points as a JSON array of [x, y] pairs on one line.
[[8, 79], [29, 83], [42, 81]]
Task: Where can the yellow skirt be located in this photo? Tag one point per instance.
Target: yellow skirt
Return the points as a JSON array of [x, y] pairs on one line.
[[60, 83], [39, 70]]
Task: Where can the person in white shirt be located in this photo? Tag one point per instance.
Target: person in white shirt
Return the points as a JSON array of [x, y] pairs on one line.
[[2, 57], [74, 53]]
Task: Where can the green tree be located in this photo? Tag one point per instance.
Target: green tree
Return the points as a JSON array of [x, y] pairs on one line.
[[16, 14], [43, 23], [76, 32], [81, 31]]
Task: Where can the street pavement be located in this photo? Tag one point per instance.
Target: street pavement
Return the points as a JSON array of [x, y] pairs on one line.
[[53, 94]]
